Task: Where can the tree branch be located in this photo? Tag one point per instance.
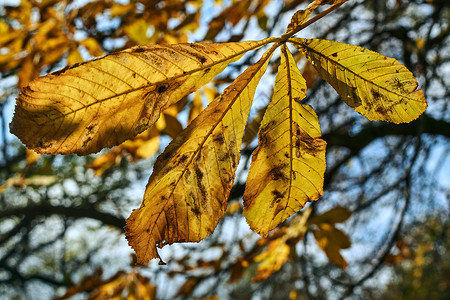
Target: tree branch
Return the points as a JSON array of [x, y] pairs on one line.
[[74, 212], [425, 124]]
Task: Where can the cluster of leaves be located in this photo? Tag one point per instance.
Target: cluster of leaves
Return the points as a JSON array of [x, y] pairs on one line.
[[88, 106]]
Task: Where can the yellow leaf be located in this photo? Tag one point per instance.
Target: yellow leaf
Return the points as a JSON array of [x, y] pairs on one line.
[[118, 10], [298, 19], [271, 260], [187, 193], [378, 87], [331, 240], [337, 214], [74, 56], [210, 93], [278, 250], [288, 166], [138, 31], [92, 46], [233, 207], [120, 286], [101, 103], [28, 71], [187, 287], [105, 162], [196, 106], [317, 3], [301, 16], [31, 157], [148, 147], [172, 126]]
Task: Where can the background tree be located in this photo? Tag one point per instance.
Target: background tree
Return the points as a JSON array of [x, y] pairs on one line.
[[62, 217]]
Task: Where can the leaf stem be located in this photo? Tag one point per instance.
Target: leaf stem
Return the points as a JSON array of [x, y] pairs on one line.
[[289, 34]]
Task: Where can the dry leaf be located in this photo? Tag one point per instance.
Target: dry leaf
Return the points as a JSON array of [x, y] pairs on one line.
[[376, 86], [288, 166], [188, 191], [101, 103]]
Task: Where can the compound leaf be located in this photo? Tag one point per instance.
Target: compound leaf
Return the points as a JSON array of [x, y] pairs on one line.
[[187, 193], [376, 86], [288, 166], [101, 103]]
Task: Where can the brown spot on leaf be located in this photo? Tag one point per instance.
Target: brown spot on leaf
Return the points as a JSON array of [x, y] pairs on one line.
[[198, 173], [182, 159], [277, 172], [381, 110], [91, 127], [278, 196], [334, 54], [376, 95], [397, 85], [219, 138], [233, 160], [162, 88], [138, 49], [224, 157]]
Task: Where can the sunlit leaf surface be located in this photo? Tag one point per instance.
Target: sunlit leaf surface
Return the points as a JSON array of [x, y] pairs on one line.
[[376, 86], [101, 103], [188, 191], [288, 166]]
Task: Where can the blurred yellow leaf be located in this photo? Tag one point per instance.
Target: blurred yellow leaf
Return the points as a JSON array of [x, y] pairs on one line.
[[105, 162], [35, 180], [138, 31], [122, 286], [196, 106], [187, 286], [337, 214], [278, 250], [31, 157], [92, 46], [118, 9], [271, 260], [233, 207], [298, 19], [331, 240], [28, 71], [74, 56]]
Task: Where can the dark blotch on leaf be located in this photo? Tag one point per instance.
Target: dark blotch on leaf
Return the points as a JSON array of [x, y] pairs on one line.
[[376, 95], [162, 88], [278, 196], [277, 174], [182, 159], [139, 50], [219, 138]]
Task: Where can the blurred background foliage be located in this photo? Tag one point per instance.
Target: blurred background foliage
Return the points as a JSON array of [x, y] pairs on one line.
[[379, 232]]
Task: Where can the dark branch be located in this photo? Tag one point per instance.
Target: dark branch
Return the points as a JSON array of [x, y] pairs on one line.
[[74, 212], [425, 124]]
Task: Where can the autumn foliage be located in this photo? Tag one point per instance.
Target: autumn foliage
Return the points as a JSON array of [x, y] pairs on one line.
[[107, 101]]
